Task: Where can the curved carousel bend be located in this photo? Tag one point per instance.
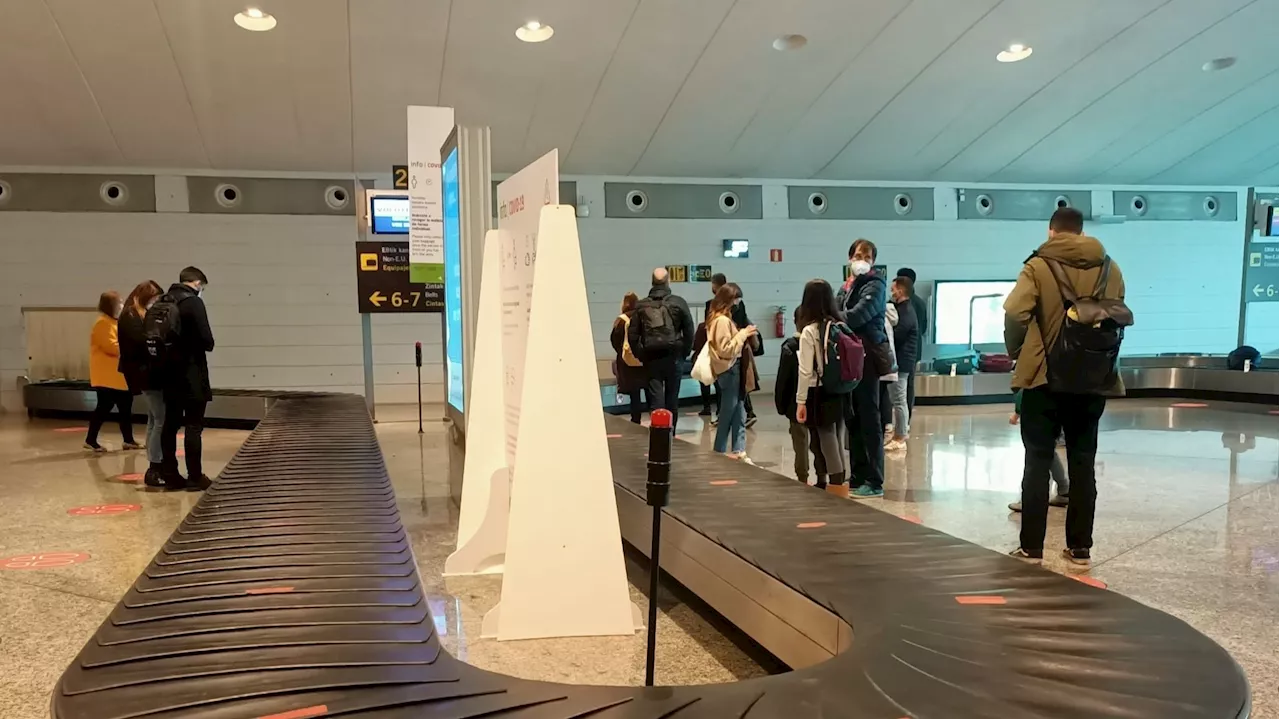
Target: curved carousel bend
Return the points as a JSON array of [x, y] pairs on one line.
[[290, 591]]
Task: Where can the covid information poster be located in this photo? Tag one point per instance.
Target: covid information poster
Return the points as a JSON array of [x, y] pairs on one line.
[[521, 198], [428, 128], [453, 341]]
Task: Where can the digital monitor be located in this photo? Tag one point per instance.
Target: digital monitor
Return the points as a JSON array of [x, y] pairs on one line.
[[1273, 222], [957, 303], [455, 389], [735, 248], [389, 215]]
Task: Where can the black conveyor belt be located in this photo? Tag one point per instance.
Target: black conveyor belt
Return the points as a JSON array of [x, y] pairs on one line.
[[291, 592]]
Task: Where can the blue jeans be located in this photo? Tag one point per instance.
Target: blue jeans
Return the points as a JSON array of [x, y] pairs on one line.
[[155, 421], [733, 411]]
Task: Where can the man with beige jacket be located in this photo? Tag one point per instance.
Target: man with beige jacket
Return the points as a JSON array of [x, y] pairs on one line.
[[1068, 266]]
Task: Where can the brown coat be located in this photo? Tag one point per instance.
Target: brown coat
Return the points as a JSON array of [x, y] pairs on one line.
[[1034, 310]]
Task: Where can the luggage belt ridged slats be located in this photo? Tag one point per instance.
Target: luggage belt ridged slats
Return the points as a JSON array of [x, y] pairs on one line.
[[270, 602]]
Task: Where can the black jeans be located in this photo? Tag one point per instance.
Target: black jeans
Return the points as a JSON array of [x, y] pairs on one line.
[[1044, 414], [639, 406], [664, 387], [866, 433], [705, 389], [188, 414], [911, 393], [107, 399]]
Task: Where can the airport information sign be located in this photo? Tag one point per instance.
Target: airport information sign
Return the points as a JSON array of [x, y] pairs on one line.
[[382, 281], [1261, 281]]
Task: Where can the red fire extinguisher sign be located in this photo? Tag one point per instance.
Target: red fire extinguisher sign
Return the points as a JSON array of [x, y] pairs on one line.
[[775, 255]]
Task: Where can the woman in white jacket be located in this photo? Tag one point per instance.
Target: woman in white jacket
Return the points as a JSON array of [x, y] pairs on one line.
[[821, 412]]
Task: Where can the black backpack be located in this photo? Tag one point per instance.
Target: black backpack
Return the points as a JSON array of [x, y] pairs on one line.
[[1083, 358], [1238, 356], [161, 330], [659, 334]]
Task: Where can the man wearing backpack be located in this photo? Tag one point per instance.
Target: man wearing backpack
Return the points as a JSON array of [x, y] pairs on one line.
[[178, 337], [1063, 322], [661, 335]]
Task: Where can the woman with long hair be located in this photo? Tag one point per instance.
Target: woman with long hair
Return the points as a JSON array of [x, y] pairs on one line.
[[731, 361], [632, 378], [105, 377], [821, 411], [134, 365]]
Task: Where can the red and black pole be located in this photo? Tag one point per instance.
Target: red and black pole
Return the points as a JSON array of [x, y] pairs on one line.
[[657, 489], [417, 359]]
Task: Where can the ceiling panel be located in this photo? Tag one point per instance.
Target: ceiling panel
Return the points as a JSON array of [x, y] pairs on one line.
[[895, 90], [1154, 35]]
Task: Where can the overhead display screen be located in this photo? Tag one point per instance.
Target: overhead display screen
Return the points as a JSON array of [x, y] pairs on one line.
[[953, 301], [389, 215], [455, 390]]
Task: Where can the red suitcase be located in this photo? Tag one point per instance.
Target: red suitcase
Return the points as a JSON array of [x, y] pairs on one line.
[[990, 362]]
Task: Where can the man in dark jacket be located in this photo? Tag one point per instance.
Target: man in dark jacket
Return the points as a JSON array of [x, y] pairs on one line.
[[906, 342], [922, 321], [185, 382], [862, 303], [661, 335]]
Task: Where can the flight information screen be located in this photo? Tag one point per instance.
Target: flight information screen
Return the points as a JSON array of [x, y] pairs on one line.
[[956, 304], [456, 390]]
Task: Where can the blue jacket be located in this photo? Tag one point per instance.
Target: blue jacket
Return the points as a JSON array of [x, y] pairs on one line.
[[863, 307]]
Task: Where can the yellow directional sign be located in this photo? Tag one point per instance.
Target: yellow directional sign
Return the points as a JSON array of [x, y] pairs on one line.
[[382, 280]]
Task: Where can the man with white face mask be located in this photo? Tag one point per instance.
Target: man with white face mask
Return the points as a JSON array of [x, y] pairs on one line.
[[862, 302], [182, 368]]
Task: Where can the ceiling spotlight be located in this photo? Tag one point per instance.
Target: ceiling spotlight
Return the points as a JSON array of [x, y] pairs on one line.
[[255, 19], [790, 42], [1016, 52], [534, 31], [1218, 63]]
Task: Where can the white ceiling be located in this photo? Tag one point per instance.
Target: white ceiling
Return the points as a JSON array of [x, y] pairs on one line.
[[885, 89]]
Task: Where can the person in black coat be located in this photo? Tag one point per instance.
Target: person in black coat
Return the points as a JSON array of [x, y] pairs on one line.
[[922, 320], [663, 365], [135, 365], [862, 304], [185, 382], [906, 341], [784, 398], [632, 378]]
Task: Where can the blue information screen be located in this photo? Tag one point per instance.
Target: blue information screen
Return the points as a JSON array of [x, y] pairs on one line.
[[455, 388], [390, 215]]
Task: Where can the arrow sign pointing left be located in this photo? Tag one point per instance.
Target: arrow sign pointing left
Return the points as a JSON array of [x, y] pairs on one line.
[[377, 299], [1257, 290]]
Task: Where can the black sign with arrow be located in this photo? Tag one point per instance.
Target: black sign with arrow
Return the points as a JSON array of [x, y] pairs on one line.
[[1262, 272], [382, 281]]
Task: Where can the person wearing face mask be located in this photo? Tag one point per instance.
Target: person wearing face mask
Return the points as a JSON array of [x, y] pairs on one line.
[[177, 328], [906, 340], [862, 303], [135, 365]]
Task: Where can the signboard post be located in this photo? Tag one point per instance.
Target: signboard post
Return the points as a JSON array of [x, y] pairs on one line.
[[383, 284], [1261, 280]]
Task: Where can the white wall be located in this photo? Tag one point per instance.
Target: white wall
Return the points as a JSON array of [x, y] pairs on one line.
[[281, 297], [1183, 278]]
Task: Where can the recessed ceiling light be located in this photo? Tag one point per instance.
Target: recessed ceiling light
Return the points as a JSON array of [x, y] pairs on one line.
[[534, 31], [1016, 52], [1218, 63], [255, 19], [790, 42]]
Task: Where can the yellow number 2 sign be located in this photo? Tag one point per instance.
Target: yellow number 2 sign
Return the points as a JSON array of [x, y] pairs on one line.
[[400, 177]]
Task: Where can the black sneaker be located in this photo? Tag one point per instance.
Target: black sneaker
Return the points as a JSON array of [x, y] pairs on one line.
[[751, 421], [1025, 556], [706, 412], [153, 477], [199, 484], [1078, 557], [1059, 500], [173, 482]]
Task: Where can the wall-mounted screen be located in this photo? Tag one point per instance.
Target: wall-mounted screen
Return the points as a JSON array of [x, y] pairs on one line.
[[1273, 222], [389, 215], [957, 303], [455, 389], [735, 248]]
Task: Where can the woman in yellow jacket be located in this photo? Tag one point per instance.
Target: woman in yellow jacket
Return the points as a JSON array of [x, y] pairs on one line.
[[105, 377]]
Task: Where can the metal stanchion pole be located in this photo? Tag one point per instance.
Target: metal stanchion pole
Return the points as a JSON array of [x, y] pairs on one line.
[[417, 358], [657, 487]]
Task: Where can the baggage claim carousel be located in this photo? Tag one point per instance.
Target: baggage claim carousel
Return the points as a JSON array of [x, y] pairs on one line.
[[290, 591]]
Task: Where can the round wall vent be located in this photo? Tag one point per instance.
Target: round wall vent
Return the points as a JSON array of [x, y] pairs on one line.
[[984, 204], [6, 193], [817, 203], [1211, 205], [113, 193], [729, 202], [1062, 201], [902, 203], [637, 201], [336, 197], [1138, 205], [227, 195]]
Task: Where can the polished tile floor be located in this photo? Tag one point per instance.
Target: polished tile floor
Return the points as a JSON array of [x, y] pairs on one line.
[[1187, 522]]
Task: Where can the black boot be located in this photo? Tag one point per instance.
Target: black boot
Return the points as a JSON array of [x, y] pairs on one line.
[[154, 477], [198, 484]]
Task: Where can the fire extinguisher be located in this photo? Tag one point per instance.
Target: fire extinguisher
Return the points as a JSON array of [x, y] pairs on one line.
[[780, 323]]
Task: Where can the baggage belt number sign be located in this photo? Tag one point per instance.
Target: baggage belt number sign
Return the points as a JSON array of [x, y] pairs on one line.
[[382, 281]]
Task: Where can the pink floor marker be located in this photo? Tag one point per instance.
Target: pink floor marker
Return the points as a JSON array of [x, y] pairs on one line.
[[810, 525], [612, 436], [980, 599], [913, 520], [70, 430], [130, 477], [723, 482], [1086, 579], [1189, 405], [101, 509], [43, 560]]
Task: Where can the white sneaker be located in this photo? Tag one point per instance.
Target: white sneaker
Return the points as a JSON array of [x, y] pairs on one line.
[[895, 445], [746, 460]]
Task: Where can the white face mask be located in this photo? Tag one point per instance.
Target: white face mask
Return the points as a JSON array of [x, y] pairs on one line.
[[859, 267]]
